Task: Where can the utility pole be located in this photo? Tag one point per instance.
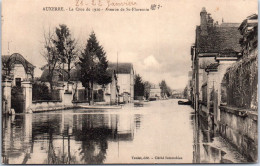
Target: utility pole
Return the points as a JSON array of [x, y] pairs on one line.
[[118, 98], [8, 47], [117, 64]]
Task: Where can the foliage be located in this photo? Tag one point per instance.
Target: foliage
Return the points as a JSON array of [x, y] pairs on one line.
[[165, 89], [66, 47], [40, 92], [147, 89], [138, 86], [185, 92], [93, 65], [239, 84]]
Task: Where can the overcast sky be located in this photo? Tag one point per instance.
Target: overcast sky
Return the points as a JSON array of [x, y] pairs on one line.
[[156, 42]]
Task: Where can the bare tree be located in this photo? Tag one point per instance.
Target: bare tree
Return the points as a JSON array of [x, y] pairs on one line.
[[51, 56]]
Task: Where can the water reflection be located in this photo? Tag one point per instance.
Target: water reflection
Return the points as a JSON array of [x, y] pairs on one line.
[[161, 128], [204, 148], [64, 138]]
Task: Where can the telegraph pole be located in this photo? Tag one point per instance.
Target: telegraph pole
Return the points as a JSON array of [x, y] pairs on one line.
[[8, 47]]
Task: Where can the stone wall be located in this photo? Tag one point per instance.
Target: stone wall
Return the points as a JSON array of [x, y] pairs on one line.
[[239, 127], [68, 97], [239, 105], [46, 106], [240, 83]]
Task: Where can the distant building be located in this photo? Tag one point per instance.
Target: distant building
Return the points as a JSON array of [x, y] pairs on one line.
[[155, 92], [112, 89], [125, 80], [16, 68], [177, 94]]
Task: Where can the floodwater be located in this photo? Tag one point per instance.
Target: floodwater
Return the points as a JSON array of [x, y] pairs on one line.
[[158, 132]]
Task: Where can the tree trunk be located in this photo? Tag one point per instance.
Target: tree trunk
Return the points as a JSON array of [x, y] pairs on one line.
[[50, 78], [89, 95], [69, 61], [51, 85], [92, 93]]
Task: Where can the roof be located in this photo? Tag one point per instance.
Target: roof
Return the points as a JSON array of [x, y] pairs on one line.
[[16, 57], [9, 60], [123, 68], [219, 39], [120, 68], [59, 74]]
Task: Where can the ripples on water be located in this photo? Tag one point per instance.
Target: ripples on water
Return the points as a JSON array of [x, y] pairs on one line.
[[159, 129]]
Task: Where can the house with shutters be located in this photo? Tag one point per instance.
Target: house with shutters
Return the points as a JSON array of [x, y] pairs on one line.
[[125, 80]]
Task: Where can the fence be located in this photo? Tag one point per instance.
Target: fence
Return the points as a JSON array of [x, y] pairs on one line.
[[239, 85], [80, 96], [98, 95]]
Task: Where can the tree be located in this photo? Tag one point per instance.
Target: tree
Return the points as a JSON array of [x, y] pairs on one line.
[[147, 89], [93, 65], [51, 56], [138, 86], [185, 92], [66, 47], [165, 90]]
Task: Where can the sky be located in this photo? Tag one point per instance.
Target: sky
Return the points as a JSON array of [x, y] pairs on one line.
[[157, 42]]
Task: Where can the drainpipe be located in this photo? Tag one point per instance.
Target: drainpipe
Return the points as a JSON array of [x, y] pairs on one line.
[[196, 81]]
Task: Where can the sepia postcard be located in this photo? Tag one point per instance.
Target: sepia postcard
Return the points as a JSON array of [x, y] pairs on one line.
[[129, 81]]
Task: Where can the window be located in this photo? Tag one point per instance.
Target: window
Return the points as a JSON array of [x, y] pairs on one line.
[[18, 82]]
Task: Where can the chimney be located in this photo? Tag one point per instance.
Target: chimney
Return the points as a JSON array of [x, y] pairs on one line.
[[203, 22], [210, 20]]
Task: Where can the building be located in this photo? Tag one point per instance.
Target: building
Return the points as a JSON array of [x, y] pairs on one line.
[[16, 72], [216, 48], [16, 68], [189, 87], [178, 94], [125, 80], [112, 89], [224, 80], [155, 92], [239, 99], [107, 93]]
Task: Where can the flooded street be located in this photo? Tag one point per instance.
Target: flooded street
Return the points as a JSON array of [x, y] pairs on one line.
[[158, 132]]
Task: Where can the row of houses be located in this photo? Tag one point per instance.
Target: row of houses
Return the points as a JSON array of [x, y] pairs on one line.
[[17, 71], [121, 89], [223, 80]]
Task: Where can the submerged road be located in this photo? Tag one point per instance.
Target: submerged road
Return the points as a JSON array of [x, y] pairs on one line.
[[159, 132]]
